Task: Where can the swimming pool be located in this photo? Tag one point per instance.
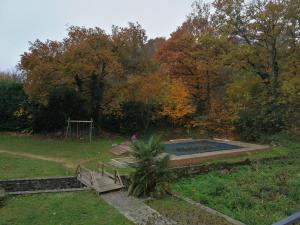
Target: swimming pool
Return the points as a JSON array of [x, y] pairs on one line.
[[193, 151], [197, 146]]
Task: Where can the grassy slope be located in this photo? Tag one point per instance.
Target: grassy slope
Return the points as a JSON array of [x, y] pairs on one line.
[[77, 208], [18, 167], [256, 195], [185, 213]]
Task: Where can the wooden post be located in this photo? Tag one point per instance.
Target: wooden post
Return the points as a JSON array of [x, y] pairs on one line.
[[91, 129], [67, 131], [76, 130], [115, 176], [91, 177]]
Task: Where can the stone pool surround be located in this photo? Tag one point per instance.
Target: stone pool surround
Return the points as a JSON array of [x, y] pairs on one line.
[[191, 159], [42, 185]]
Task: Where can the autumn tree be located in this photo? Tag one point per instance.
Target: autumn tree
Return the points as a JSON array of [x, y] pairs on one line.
[[233, 62], [196, 54], [265, 34], [138, 101], [82, 62], [178, 105], [177, 60], [89, 62], [131, 101], [40, 66], [264, 31], [132, 47]]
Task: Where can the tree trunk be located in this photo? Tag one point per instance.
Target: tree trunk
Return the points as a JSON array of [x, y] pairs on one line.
[[275, 70]]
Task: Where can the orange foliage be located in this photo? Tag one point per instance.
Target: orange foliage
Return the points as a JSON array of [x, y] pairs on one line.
[[178, 106]]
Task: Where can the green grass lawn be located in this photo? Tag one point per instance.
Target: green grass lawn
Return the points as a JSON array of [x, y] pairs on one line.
[[260, 194], [76, 152], [54, 208], [19, 167], [77, 208], [60, 148]]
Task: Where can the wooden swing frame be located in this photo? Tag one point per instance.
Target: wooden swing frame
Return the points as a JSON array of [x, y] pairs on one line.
[[77, 122]]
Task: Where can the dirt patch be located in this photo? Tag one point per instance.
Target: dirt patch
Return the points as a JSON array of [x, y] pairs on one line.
[[66, 163]]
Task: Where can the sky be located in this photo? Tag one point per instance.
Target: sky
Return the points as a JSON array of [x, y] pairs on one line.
[[22, 21]]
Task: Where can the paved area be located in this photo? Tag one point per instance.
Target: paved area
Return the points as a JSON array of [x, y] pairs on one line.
[[135, 209]]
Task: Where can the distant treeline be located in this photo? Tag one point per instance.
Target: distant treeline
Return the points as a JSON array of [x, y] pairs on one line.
[[231, 68]]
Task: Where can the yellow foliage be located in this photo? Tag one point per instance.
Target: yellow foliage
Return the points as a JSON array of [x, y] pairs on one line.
[[147, 88], [178, 106]]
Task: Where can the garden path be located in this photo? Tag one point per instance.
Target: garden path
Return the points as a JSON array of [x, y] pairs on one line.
[[135, 209], [65, 162]]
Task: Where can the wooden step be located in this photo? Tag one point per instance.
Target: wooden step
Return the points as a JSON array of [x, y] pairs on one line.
[[104, 183], [120, 149]]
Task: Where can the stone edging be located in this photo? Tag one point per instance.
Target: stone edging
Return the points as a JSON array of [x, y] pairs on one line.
[[36, 178], [207, 209], [49, 191]]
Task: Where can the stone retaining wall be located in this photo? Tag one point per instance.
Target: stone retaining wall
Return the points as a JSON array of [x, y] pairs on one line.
[[41, 184]]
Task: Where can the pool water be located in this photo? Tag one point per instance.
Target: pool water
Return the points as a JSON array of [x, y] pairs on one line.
[[197, 146]]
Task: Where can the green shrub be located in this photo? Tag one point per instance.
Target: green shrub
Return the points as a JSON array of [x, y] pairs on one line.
[[13, 106], [261, 122]]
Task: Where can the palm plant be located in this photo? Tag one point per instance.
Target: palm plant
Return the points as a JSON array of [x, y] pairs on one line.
[[151, 176]]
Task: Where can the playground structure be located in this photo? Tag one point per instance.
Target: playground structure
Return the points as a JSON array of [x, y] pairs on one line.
[[80, 129]]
